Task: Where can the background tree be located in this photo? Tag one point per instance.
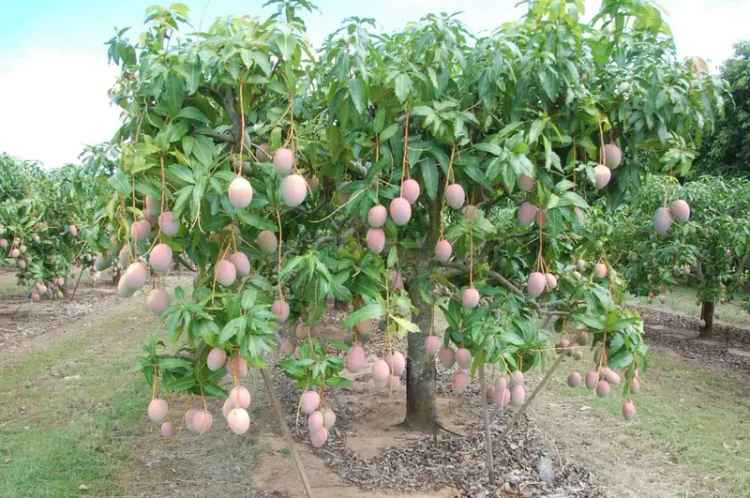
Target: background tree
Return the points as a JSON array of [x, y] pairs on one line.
[[17, 178], [727, 150], [710, 252], [42, 216]]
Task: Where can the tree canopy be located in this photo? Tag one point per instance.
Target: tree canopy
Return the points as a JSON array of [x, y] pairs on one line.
[[489, 144], [727, 150], [709, 252]]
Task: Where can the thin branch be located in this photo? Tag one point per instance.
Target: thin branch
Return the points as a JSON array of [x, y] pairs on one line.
[[538, 388], [77, 283], [507, 283], [497, 277], [184, 263], [221, 137], [285, 432]]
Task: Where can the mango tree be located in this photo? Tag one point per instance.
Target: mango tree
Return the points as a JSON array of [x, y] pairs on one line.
[[41, 216], [727, 150], [706, 250], [405, 172]]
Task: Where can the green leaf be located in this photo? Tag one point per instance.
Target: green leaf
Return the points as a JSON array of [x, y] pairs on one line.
[[262, 61], [404, 324], [248, 298], [172, 363], [253, 220], [621, 359], [366, 312], [357, 93], [203, 150], [183, 195], [338, 381], [392, 257], [389, 132], [193, 113], [174, 94], [214, 390], [430, 177], [593, 322], [403, 85], [536, 130], [490, 148], [232, 328], [377, 125], [179, 384], [422, 110]]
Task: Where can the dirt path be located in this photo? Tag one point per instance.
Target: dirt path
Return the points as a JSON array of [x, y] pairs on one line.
[[69, 400], [26, 326]]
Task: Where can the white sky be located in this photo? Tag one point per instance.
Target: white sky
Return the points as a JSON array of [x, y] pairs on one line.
[[54, 100]]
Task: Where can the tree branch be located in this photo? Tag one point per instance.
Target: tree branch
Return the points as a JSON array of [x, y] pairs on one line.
[[507, 283], [493, 275], [536, 391], [228, 103], [184, 263], [496, 277], [221, 137], [285, 432]]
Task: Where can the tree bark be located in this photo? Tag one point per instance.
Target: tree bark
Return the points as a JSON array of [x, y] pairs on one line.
[[420, 376], [707, 315]]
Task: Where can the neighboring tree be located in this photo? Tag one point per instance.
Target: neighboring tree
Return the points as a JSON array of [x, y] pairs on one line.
[[710, 252], [42, 218], [17, 177], [433, 126], [727, 150]]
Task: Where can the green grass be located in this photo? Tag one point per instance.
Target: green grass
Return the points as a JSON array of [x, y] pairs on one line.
[[683, 300], [56, 434], [699, 416], [8, 286]]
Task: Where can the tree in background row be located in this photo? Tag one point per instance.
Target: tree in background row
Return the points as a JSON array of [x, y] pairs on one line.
[[41, 218], [727, 150], [710, 252]]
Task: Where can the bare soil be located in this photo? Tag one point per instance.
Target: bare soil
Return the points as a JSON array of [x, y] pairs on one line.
[[626, 467], [729, 347], [23, 323]]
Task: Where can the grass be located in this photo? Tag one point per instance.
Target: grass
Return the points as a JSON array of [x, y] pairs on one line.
[[68, 438], [683, 300], [701, 418], [8, 286]]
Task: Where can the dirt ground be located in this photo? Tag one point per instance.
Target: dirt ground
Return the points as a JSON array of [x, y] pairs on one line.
[[620, 460], [23, 323], [625, 461]]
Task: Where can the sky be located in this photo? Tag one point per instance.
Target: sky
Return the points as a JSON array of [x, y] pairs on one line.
[[54, 74]]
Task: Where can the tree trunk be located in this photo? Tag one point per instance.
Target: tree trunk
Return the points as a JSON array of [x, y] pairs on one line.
[[421, 410], [707, 315], [420, 375]]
